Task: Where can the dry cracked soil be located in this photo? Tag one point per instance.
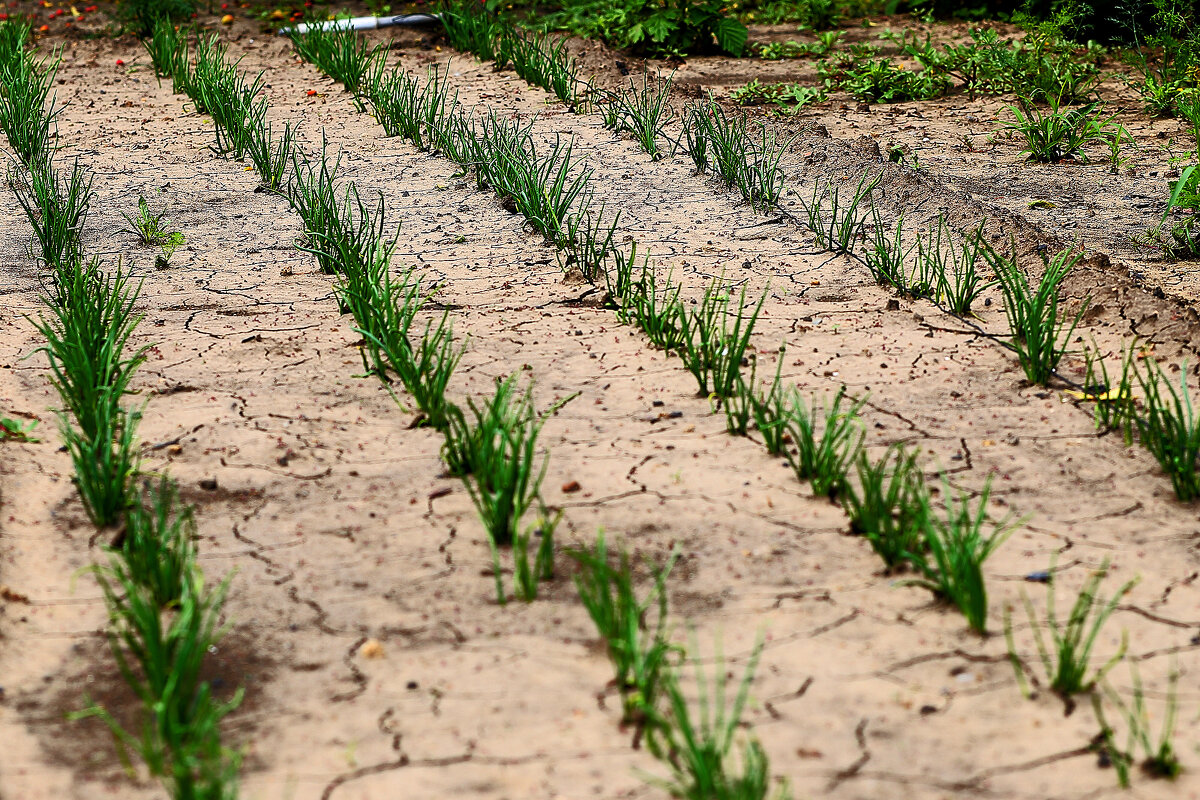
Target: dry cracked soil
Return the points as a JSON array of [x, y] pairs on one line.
[[339, 526]]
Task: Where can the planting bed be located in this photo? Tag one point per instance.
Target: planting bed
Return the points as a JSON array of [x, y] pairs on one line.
[[364, 627]]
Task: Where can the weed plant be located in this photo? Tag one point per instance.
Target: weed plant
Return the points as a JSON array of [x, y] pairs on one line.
[[634, 629], [827, 440], [1040, 330], [1067, 658], [696, 742], [1062, 133], [880, 81], [1038, 68], [152, 228], [890, 507], [958, 548], [785, 97]]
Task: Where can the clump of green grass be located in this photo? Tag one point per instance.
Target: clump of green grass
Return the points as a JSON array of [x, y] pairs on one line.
[[471, 28], [160, 656], [1062, 134], [57, 209], [715, 339], [634, 629], [169, 52], [498, 456], [406, 107], [696, 741], [827, 440], [958, 547], [86, 338], [724, 144], [890, 507], [1167, 426], [527, 576], [157, 546], [839, 227], [27, 108], [341, 54], [1040, 330], [642, 110], [1067, 656], [1159, 758], [950, 269]]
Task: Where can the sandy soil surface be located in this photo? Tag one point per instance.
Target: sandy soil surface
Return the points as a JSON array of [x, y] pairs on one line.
[[340, 526]]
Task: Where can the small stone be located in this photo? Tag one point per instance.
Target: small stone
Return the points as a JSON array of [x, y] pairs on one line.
[[371, 648]]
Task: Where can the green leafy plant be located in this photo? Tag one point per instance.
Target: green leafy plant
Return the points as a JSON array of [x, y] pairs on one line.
[[1040, 330], [827, 438], [696, 742], [633, 629], [1159, 758], [1038, 68], [1067, 658], [1168, 427], [12, 430], [1062, 133], [889, 506], [715, 340], [667, 28], [152, 229], [497, 453], [958, 548], [880, 81], [789, 97]]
